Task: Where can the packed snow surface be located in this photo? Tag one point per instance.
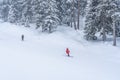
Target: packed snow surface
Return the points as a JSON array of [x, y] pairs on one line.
[[42, 56]]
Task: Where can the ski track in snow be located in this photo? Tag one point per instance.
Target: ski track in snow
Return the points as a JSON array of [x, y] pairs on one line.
[[42, 56]]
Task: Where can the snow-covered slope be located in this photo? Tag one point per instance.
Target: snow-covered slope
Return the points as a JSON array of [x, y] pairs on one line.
[[42, 56]]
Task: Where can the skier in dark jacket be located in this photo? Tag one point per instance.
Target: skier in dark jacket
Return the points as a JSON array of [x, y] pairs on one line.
[[22, 37]]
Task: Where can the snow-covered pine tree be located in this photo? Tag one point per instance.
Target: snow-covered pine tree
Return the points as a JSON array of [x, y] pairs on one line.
[[38, 8], [91, 20], [15, 11], [67, 12], [4, 10], [116, 17], [81, 6], [50, 20], [60, 8], [116, 22], [99, 18], [27, 12]]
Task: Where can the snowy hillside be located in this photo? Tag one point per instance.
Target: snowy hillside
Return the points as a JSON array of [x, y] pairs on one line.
[[42, 56]]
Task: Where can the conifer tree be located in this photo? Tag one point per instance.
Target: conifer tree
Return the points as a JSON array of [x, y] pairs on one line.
[[99, 18], [5, 10]]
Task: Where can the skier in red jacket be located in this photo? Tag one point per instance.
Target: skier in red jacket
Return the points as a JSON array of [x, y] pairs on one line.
[[67, 51]]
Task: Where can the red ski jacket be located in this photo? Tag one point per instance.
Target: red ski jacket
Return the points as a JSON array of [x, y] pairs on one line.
[[67, 51]]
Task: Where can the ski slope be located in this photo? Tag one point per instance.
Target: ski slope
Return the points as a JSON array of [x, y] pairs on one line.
[[42, 56]]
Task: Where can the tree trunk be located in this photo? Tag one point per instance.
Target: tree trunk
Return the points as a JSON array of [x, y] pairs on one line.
[[71, 23], [114, 34], [78, 20], [74, 21], [71, 17], [104, 35]]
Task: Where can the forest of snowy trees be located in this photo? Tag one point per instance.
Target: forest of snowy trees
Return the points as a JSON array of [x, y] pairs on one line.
[[102, 16], [46, 14]]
